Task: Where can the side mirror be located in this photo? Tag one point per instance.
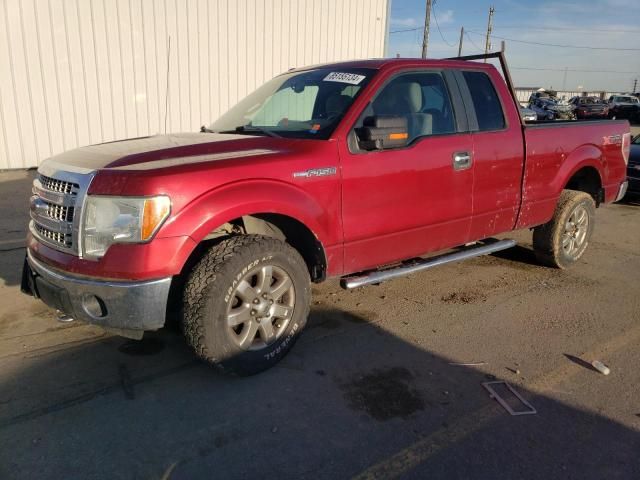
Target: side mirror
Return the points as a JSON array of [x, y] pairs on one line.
[[382, 132]]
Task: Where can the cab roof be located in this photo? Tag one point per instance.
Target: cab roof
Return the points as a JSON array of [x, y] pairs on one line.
[[386, 63]]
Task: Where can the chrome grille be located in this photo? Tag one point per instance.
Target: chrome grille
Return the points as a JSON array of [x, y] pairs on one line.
[[63, 240], [60, 212], [56, 207], [59, 186]]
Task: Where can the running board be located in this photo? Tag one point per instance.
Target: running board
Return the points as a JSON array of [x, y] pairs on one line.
[[377, 276]]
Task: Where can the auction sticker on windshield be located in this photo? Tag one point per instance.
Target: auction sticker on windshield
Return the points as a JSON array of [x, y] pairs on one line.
[[342, 77]]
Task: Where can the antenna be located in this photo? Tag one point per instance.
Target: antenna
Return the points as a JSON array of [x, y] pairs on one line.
[[166, 96]]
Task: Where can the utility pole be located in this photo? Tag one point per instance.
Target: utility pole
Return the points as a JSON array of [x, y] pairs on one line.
[[487, 45], [564, 79], [460, 44], [425, 38], [635, 84]]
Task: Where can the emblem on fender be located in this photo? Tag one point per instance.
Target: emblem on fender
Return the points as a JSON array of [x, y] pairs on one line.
[[315, 172], [612, 140]]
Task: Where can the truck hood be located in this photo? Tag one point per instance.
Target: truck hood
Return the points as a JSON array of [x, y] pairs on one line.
[[625, 104], [164, 151]]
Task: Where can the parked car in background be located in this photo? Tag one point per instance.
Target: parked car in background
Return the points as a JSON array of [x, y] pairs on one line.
[[528, 115], [589, 107], [549, 108], [633, 167], [623, 106], [542, 93]]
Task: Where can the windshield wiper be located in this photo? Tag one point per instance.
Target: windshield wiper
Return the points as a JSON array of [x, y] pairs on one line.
[[204, 129], [251, 129]]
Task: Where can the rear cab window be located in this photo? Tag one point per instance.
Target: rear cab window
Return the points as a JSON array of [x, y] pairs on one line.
[[486, 103]]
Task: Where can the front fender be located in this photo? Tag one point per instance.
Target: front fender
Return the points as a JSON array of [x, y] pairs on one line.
[[233, 200]]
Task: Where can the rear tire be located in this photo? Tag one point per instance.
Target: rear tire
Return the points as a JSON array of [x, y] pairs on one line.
[[563, 240], [245, 303]]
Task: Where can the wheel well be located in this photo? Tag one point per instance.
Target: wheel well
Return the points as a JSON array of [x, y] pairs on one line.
[[293, 232], [587, 180], [277, 226], [284, 228]]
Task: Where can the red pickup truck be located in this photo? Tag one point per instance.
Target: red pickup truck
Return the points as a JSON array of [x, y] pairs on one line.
[[357, 170]]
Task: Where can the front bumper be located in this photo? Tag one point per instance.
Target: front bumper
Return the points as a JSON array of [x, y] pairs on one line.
[[125, 306], [587, 114], [625, 113]]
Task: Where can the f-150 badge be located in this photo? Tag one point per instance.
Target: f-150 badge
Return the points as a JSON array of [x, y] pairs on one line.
[[315, 172]]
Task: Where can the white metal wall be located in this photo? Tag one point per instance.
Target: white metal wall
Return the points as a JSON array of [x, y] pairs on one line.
[[78, 72]]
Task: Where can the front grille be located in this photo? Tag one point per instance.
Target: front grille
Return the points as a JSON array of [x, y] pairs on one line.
[[56, 237], [59, 186], [59, 212], [56, 208]]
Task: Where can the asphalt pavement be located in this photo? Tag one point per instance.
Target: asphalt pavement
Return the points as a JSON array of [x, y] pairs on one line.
[[374, 388]]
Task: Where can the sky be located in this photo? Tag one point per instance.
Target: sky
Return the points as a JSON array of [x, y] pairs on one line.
[[597, 24]]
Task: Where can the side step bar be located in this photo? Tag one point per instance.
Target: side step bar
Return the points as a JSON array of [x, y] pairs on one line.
[[377, 276]]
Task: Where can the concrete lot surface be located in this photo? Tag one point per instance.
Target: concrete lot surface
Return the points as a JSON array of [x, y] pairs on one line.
[[369, 391]]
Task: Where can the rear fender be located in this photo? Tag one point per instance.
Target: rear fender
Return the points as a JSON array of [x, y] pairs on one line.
[[540, 198], [584, 156]]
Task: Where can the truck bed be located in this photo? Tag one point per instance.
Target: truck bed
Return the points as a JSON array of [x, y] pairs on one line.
[[552, 152]]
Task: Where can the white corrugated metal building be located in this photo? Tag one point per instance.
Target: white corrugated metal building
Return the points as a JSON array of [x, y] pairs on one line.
[[78, 72]]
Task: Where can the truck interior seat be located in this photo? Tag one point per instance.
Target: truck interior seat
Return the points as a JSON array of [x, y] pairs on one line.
[[405, 99]]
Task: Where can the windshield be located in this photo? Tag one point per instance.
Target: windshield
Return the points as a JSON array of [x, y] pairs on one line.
[[636, 141], [307, 104], [625, 99]]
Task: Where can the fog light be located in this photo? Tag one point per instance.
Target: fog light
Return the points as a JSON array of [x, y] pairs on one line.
[[94, 306]]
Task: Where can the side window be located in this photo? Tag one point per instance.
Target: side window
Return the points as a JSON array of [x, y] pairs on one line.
[[422, 98], [485, 101]]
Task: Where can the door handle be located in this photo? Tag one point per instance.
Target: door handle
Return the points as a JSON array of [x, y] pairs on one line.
[[461, 160]]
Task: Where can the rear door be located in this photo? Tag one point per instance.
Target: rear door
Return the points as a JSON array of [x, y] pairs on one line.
[[409, 201], [498, 153]]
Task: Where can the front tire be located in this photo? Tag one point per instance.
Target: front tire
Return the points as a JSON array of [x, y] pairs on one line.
[[245, 303], [563, 240]]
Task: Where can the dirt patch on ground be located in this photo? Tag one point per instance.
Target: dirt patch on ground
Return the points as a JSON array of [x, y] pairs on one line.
[[384, 394], [465, 296]]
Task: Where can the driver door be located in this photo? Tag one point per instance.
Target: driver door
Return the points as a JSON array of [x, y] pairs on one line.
[[404, 202]]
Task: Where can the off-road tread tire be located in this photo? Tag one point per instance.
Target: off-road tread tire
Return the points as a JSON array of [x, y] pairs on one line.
[[214, 266], [547, 238]]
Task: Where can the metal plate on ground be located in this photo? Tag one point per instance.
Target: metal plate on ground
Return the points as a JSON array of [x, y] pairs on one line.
[[492, 388]]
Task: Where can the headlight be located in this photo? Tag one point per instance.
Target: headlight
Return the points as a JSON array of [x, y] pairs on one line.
[[108, 220]]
